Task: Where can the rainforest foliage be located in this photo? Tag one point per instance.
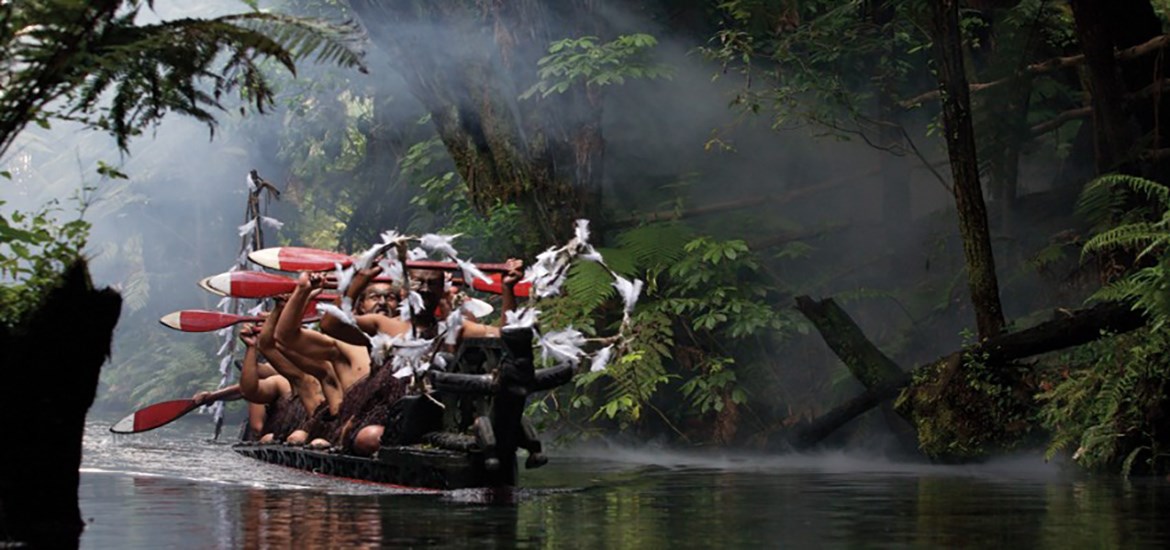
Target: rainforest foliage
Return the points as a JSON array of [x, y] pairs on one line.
[[949, 172]]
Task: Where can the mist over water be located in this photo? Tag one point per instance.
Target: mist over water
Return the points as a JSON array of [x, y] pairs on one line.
[[172, 488]]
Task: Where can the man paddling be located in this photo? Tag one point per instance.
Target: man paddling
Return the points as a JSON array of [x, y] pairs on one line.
[[371, 416], [330, 360]]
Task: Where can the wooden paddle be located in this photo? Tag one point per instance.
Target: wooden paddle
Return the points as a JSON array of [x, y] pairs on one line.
[[199, 320], [254, 284], [295, 258], [154, 416]]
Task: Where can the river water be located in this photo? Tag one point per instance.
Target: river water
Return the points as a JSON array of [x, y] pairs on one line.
[[173, 489]]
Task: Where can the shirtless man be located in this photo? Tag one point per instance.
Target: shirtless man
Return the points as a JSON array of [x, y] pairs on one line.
[[335, 363], [375, 309], [306, 387], [259, 385], [430, 284]]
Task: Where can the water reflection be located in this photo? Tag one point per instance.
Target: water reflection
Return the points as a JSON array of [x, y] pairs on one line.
[[829, 501]]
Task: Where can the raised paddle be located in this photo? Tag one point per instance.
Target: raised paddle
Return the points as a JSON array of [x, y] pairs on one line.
[[198, 320], [254, 284], [154, 416], [298, 258]]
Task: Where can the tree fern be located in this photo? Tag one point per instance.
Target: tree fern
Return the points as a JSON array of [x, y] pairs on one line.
[[91, 62]]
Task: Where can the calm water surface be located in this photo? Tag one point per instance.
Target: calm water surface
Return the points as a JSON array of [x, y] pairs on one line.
[[172, 489]]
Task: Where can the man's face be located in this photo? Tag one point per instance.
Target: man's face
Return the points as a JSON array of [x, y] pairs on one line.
[[379, 298]]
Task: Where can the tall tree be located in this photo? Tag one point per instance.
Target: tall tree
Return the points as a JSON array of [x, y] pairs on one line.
[[468, 63], [960, 137]]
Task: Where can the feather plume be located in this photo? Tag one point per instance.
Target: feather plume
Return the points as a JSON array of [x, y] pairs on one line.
[[330, 309], [392, 268], [471, 272], [581, 233], [366, 259], [521, 318], [454, 326], [247, 227], [223, 364], [412, 303], [344, 277], [440, 244], [416, 253], [629, 291], [601, 359], [381, 345], [272, 222], [563, 345]]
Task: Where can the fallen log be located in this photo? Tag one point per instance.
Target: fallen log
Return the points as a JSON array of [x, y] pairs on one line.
[[845, 338]]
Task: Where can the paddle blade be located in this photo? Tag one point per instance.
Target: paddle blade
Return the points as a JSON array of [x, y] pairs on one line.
[[197, 320], [251, 284], [297, 258], [521, 290], [154, 416]]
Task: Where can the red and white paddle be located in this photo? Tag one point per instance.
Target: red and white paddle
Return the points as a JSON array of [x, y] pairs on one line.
[[254, 284], [154, 416], [198, 320], [296, 258]]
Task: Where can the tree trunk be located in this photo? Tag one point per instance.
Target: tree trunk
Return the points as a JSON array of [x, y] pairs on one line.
[[50, 376], [468, 62], [1068, 329], [1114, 135], [960, 136]]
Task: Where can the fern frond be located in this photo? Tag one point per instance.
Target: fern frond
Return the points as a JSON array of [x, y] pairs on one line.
[[589, 284], [1129, 235], [656, 246]]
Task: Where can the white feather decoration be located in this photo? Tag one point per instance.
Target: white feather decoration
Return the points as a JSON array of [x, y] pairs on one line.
[[581, 233], [391, 237], [223, 365], [392, 268], [454, 326], [330, 309], [344, 276], [629, 291], [591, 254], [272, 222], [366, 259], [521, 318], [413, 303], [601, 359], [380, 347], [563, 345], [247, 227], [440, 244], [471, 272], [416, 253]]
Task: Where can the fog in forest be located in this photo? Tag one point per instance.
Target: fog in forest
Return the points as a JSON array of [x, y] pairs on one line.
[[670, 144]]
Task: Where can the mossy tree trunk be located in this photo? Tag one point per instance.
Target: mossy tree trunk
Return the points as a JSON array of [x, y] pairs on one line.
[[468, 63], [960, 137]]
